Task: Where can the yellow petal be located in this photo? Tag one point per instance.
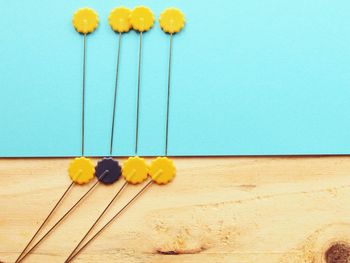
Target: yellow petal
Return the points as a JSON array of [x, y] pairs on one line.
[[172, 20], [142, 19], [85, 20], [119, 19], [162, 170], [81, 170], [135, 170]]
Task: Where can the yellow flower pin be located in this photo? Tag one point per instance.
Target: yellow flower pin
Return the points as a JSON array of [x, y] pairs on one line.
[[172, 20], [85, 20], [119, 19], [81, 170], [135, 170], [142, 19], [162, 170]]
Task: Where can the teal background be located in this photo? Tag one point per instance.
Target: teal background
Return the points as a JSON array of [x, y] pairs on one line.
[[250, 77]]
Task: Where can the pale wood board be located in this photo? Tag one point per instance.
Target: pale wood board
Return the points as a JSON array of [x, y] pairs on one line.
[[226, 209]]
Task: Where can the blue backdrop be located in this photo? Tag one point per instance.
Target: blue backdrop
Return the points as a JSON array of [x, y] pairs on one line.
[[250, 77]]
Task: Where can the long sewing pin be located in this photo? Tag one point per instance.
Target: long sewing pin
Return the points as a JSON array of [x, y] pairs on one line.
[[119, 22], [142, 20], [107, 171], [81, 171], [171, 21], [85, 21], [161, 170]]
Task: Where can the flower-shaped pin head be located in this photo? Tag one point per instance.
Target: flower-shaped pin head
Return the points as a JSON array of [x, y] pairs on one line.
[[81, 170], [162, 170], [135, 170], [172, 20], [142, 18], [85, 20], [108, 171], [119, 19]]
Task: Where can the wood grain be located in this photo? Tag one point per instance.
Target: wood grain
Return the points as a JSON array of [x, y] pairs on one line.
[[286, 210]]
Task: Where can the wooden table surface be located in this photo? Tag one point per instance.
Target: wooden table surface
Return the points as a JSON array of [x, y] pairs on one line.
[[287, 210]]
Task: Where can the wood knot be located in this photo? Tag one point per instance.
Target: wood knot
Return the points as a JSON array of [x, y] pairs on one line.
[[338, 253]]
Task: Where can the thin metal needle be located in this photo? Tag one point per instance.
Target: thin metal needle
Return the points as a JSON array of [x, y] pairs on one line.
[[110, 221], [138, 97], [97, 220], [115, 94], [83, 100], [63, 217], [168, 96], [111, 151], [46, 220]]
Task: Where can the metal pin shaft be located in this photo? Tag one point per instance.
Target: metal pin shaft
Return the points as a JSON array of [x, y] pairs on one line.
[[97, 220], [115, 94], [110, 221], [83, 100], [138, 97], [46, 220], [63, 217], [168, 96]]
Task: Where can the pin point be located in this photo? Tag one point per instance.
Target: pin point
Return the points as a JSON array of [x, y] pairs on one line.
[[142, 20], [119, 22], [85, 21], [171, 21]]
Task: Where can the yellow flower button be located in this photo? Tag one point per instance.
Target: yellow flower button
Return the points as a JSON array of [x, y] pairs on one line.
[[142, 18], [81, 170], [162, 170], [135, 170], [85, 20], [119, 19], [172, 20]]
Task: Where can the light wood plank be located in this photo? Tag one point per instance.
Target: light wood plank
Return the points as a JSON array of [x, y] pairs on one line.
[[286, 210]]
